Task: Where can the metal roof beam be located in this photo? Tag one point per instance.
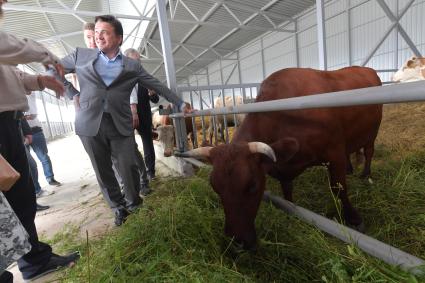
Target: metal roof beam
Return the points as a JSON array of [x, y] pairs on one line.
[[75, 7], [192, 45], [68, 11], [66, 7], [261, 11], [229, 34], [59, 36], [52, 28]]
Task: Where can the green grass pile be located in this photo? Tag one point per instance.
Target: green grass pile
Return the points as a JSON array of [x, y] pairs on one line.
[[178, 235]]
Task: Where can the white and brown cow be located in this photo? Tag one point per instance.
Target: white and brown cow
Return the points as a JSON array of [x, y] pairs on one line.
[[411, 71]]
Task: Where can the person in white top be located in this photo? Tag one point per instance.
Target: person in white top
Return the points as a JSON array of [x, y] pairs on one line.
[[15, 84], [39, 144]]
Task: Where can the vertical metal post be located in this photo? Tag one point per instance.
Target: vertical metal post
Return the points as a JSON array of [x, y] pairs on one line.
[[223, 99], [349, 35], [240, 75], [45, 113], [60, 114], [321, 34], [263, 66], [396, 37], [194, 132], [179, 124], [297, 45]]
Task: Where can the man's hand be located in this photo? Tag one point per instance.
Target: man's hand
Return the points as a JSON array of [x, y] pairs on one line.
[[52, 83], [187, 109], [28, 139], [136, 121], [134, 115], [76, 100], [59, 69], [30, 116]]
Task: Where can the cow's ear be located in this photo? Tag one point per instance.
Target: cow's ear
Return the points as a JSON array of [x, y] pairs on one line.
[[285, 148]]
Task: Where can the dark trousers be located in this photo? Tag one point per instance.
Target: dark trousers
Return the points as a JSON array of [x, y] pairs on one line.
[[22, 195], [101, 148], [145, 131]]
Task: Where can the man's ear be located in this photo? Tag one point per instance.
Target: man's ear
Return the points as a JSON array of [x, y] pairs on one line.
[[285, 148]]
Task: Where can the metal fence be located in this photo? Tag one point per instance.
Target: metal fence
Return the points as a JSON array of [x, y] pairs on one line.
[[55, 115], [208, 97]]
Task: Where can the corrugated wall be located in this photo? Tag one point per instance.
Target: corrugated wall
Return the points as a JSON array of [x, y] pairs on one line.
[[368, 24]]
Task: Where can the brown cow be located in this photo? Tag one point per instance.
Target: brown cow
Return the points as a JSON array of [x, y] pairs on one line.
[[164, 126], [295, 140]]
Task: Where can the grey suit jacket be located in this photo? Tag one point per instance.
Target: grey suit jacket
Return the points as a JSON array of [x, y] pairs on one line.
[[94, 93]]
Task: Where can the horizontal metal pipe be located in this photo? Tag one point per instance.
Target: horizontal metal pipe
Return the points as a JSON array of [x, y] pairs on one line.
[[396, 93], [369, 245], [216, 87]]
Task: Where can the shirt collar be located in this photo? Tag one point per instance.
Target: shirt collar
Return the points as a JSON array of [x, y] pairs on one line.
[[118, 56]]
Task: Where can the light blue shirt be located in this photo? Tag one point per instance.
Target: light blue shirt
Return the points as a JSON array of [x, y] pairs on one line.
[[108, 70]]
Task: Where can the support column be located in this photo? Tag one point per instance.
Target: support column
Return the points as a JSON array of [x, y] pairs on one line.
[[321, 34], [179, 124]]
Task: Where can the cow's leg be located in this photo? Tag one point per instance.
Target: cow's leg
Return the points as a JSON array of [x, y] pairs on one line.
[[337, 169], [287, 189], [350, 169], [368, 154]]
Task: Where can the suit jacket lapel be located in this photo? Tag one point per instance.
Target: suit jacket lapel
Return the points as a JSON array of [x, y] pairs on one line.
[[94, 70], [124, 64]]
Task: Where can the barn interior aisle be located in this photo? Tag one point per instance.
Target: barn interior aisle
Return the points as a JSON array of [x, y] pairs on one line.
[[77, 205]]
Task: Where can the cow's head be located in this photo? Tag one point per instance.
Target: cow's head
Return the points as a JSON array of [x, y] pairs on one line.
[[166, 139], [238, 177]]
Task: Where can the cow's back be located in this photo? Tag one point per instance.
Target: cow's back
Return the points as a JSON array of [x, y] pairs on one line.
[[351, 127]]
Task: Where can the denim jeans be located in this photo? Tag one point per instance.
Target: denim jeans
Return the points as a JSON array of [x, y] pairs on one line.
[[39, 146], [33, 169]]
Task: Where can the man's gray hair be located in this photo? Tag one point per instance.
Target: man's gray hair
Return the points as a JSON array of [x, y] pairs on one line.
[[131, 51]]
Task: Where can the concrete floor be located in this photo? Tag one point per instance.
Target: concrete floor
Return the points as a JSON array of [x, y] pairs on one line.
[[78, 201]]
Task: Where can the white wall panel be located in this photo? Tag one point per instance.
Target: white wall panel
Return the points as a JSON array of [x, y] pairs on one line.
[[368, 25]]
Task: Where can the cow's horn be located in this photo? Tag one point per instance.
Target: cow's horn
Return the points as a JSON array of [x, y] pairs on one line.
[[260, 147], [200, 152]]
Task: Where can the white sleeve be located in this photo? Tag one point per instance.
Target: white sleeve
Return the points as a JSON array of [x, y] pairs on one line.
[[15, 51], [133, 95]]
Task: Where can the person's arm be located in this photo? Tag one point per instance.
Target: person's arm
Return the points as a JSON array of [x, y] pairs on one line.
[[133, 106], [39, 82], [14, 51], [152, 83], [69, 63]]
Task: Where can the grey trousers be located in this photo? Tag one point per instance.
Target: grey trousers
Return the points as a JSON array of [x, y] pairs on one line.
[[101, 148]]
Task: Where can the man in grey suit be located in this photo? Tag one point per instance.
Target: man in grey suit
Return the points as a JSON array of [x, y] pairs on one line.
[[104, 120]]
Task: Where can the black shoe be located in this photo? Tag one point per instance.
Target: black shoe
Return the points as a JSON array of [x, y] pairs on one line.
[[53, 182], [55, 262], [145, 190], [121, 216], [6, 277], [42, 207]]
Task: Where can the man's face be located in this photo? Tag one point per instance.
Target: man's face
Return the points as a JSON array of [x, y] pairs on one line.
[[89, 38], [106, 38]]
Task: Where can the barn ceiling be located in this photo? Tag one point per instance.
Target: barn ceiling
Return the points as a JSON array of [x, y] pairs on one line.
[[201, 31]]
